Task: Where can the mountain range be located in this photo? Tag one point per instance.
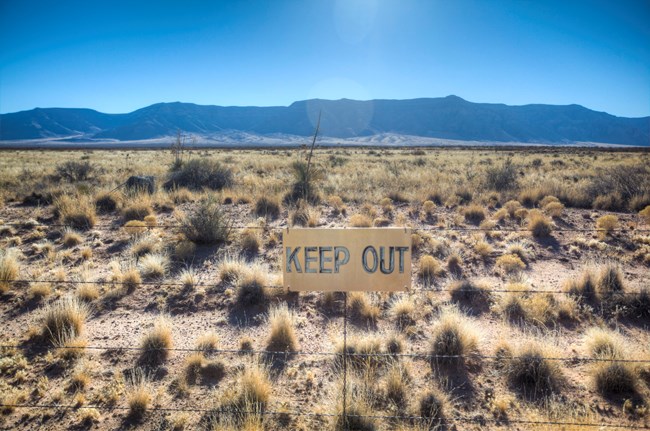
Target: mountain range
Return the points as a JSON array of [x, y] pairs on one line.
[[448, 118]]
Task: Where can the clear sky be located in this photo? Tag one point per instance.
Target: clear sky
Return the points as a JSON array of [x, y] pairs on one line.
[[117, 56]]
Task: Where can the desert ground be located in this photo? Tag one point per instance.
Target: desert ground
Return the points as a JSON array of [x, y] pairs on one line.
[[124, 309]]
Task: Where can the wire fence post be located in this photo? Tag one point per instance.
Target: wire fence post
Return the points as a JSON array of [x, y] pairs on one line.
[[345, 359]]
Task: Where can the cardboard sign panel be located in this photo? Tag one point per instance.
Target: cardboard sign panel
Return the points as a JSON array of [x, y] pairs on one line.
[[374, 259]]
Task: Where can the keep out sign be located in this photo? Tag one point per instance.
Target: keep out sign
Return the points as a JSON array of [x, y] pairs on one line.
[[347, 259]]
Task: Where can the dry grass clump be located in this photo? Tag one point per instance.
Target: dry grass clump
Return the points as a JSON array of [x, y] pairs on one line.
[[358, 346], [510, 263], [358, 409], [197, 366], [71, 238], [144, 244], [361, 307], [431, 406], [396, 381], [453, 340], [483, 249], [207, 342], [645, 214], [251, 287], [554, 209], [360, 220], [254, 387], [78, 212], [135, 228], [39, 291], [267, 207], [584, 286], [154, 265], [9, 268], [282, 337], [138, 395], [530, 372], [539, 225], [64, 320], [157, 342], [606, 224], [151, 221], [87, 292], [184, 250], [474, 295], [512, 207], [207, 224], [610, 280], [338, 207], [231, 268], [107, 202], [429, 267], [611, 377], [197, 174], [402, 311], [188, 278], [137, 210], [474, 214], [250, 241]]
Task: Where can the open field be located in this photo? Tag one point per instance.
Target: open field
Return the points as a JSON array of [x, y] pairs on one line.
[[530, 302]]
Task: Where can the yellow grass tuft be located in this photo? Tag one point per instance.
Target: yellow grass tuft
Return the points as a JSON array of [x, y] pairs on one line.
[[157, 342], [9, 268], [282, 337]]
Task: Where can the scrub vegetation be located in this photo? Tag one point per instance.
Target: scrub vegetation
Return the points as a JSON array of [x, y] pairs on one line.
[[529, 293]]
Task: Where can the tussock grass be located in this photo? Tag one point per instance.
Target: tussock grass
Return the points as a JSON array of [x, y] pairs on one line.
[[402, 311], [360, 220], [396, 384], [614, 378], [474, 214], [361, 307], [603, 343], [645, 214], [137, 210], [188, 278], [453, 340], [197, 174], [539, 225], [606, 224], [250, 241], [143, 243], [76, 211], [251, 287], [9, 268], [71, 238], [267, 207], [282, 337], [510, 263], [154, 265], [207, 224], [231, 268], [39, 291], [584, 286], [107, 202], [138, 395], [64, 319], [207, 342], [87, 292], [431, 406], [429, 267], [156, 342], [610, 279], [529, 372], [471, 294], [199, 368]]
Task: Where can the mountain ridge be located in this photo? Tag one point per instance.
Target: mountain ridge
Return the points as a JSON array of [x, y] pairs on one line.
[[450, 117]]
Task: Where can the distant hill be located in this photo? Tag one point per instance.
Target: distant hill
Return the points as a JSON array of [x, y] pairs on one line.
[[450, 118]]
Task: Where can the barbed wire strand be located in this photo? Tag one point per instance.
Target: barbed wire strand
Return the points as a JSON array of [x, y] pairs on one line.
[[319, 353], [498, 422]]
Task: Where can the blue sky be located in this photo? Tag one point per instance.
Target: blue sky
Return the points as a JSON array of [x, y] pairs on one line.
[[117, 56]]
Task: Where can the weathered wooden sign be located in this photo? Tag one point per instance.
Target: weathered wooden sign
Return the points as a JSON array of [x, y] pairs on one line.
[[347, 259]]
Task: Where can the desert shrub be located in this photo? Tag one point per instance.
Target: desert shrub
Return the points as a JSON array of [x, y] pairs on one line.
[[73, 171], [361, 307], [136, 211], [154, 265], [306, 176], [71, 238], [431, 407], [282, 337], [78, 212], [107, 202], [156, 343], [9, 268], [608, 202], [539, 225], [474, 214], [645, 214], [138, 395], [510, 263], [606, 224], [610, 280], [501, 178], [402, 310], [207, 224], [64, 320], [360, 220], [453, 340], [250, 241], [583, 287], [553, 209], [471, 294], [429, 267], [623, 182], [530, 372], [267, 207], [198, 174], [251, 287], [512, 207]]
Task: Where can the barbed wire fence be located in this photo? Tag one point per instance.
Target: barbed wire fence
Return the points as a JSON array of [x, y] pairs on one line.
[[506, 422]]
